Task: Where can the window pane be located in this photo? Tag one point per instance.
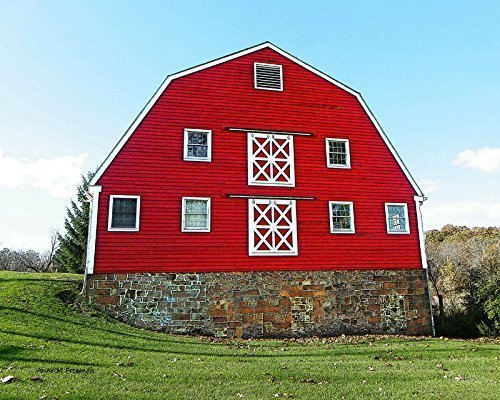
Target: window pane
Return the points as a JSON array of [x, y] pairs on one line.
[[198, 151], [337, 147], [338, 159], [341, 223], [341, 217], [198, 138], [196, 220], [196, 206], [337, 152], [124, 213], [341, 209], [396, 216]]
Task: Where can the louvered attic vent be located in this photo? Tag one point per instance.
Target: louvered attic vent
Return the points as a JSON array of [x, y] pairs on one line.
[[268, 76]]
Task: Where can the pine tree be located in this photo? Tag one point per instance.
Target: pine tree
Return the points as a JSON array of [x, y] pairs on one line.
[[73, 243]]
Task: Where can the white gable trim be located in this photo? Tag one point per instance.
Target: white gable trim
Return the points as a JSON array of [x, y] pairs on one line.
[[91, 239], [221, 60], [421, 236]]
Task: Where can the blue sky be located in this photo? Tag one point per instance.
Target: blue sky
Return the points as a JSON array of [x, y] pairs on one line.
[[73, 75]]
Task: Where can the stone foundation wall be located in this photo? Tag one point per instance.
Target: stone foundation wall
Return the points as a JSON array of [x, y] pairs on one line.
[[272, 304]]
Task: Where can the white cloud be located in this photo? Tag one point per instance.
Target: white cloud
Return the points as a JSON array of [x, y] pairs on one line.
[[58, 176], [429, 185], [486, 159], [469, 213]]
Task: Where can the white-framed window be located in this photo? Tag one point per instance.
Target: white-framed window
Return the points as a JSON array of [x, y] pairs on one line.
[[337, 153], [268, 76], [272, 227], [396, 215], [197, 145], [195, 214], [270, 159], [124, 211], [341, 216]]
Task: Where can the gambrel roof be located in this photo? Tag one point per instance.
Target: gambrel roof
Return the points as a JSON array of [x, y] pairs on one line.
[[229, 57]]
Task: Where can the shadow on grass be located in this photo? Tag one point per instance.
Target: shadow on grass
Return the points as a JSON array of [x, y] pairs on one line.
[[11, 354], [22, 313], [29, 276], [230, 352], [144, 342]]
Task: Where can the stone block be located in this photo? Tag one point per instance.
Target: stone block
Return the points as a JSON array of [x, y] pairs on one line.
[[107, 300], [279, 303]]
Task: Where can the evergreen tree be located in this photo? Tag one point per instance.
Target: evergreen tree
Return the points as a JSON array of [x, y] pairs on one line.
[[73, 242]]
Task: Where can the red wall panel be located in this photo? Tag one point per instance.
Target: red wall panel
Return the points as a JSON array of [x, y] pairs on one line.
[[151, 165]]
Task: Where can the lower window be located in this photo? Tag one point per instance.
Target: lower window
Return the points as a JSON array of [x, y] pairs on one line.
[[396, 215], [272, 227], [195, 214], [341, 216], [123, 213]]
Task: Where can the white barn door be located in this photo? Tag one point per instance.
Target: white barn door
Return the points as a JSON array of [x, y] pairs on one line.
[[270, 159], [272, 227]]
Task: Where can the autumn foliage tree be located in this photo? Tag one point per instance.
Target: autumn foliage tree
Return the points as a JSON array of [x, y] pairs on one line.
[[464, 270]]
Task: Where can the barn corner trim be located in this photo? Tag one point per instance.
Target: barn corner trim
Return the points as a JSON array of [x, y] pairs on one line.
[[137, 121]]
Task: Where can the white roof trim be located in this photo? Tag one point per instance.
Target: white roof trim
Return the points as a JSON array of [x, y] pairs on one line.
[[229, 57]]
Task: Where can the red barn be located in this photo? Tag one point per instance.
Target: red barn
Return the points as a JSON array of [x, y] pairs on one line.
[[255, 195]]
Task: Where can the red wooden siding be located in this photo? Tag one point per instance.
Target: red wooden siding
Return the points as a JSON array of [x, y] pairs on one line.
[[151, 165]]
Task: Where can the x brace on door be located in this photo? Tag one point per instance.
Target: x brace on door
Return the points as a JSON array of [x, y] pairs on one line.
[[270, 159], [272, 227]]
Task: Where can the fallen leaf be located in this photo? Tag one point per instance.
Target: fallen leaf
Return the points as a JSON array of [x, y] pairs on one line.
[[122, 364], [8, 379], [36, 378]]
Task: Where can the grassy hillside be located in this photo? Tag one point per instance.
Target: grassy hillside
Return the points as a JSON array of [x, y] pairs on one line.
[[54, 351]]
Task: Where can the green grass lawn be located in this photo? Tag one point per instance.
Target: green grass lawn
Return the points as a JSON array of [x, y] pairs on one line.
[[55, 351]]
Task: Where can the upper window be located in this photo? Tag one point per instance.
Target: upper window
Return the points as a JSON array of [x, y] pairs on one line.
[[341, 217], [397, 218], [268, 76], [337, 153], [124, 213], [272, 226], [270, 159], [197, 145], [195, 214]]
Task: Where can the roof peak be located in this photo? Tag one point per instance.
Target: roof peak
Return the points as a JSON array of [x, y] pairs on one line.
[[237, 54]]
